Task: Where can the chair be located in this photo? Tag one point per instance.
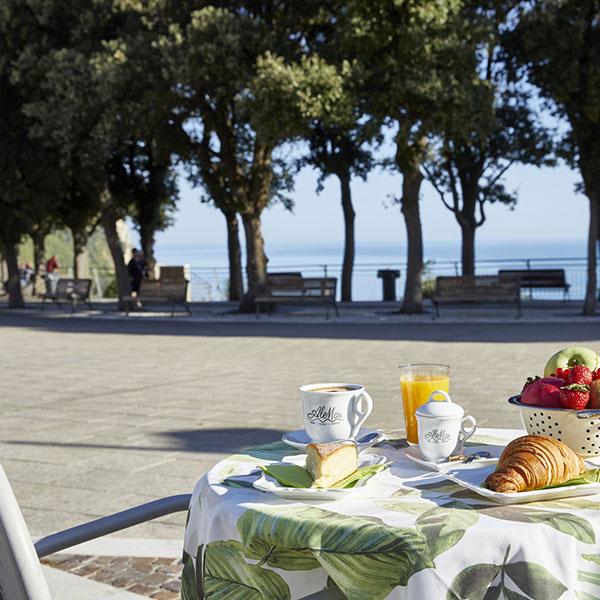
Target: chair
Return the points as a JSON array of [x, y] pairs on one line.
[[21, 575]]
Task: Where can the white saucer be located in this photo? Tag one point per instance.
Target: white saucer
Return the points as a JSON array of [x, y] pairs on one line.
[[299, 439], [414, 454]]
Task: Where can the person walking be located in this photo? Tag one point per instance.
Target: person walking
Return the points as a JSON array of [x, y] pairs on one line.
[[136, 270], [52, 277]]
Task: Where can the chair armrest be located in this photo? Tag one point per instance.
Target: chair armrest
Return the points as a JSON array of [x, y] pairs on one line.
[[116, 522]]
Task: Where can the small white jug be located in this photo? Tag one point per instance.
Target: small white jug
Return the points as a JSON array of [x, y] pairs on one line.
[[441, 427]]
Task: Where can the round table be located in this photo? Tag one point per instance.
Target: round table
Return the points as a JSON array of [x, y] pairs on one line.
[[409, 534]]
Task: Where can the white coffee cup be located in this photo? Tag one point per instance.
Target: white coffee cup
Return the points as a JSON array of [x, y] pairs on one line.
[[334, 411], [441, 426]]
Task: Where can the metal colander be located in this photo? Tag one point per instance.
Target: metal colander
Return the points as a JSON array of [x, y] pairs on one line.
[[578, 429]]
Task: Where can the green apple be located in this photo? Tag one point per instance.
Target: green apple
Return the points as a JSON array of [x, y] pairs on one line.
[[569, 357]]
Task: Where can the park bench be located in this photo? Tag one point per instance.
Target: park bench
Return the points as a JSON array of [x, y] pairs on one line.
[[73, 290], [476, 288], [292, 288], [539, 278], [157, 291]]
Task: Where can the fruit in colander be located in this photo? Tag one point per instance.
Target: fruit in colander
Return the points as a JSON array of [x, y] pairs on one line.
[[569, 357], [543, 392]]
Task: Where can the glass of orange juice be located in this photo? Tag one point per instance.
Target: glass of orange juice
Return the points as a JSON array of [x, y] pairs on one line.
[[417, 382]]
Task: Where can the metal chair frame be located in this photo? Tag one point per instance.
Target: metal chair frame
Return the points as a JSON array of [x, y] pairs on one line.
[[21, 575]]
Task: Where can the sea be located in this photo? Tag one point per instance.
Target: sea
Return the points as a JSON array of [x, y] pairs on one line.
[[209, 266]]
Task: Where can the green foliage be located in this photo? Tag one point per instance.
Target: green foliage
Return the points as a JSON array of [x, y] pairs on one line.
[[61, 244], [490, 581]]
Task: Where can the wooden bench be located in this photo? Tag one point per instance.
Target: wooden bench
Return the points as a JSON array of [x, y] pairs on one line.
[[73, 290], [539, 278], [292, 288], [156, 291], [477, 288]]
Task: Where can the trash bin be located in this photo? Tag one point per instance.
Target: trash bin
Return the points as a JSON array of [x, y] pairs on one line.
[[388, 277]]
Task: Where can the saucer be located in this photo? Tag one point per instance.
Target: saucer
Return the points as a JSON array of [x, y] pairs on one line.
[[299, 439], [414, 454]]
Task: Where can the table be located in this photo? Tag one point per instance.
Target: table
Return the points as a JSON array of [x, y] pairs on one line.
[[410, 535]]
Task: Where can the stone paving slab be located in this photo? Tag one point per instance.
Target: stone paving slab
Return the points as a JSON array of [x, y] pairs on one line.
[[156, 578], [101, 412]]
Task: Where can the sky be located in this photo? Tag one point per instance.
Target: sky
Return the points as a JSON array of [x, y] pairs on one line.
[[548, 208]]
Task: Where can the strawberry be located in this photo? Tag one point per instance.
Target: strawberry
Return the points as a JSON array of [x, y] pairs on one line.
[[580, 375], [574, 396], [596, 374], [530, 380]]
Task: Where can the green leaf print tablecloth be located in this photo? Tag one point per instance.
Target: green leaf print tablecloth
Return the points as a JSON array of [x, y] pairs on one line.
[[408, 535]]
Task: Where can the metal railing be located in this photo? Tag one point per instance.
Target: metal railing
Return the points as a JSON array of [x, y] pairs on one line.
[[211, 284], [367, 286]]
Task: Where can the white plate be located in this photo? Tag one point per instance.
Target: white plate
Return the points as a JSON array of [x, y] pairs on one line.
[[266, 483], [299, 439], [472, 478], [414, 454]]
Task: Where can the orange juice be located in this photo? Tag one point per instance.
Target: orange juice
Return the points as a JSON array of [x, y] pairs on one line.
[[416, 389]]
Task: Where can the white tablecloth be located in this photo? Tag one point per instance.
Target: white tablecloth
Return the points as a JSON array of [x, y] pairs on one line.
[[409, 534]]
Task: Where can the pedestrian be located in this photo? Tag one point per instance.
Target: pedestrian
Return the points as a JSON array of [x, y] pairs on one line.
[[52, 277], [26, 274], [137, 271]]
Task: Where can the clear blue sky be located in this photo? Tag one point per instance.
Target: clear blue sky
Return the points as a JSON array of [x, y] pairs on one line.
[[548, 208]]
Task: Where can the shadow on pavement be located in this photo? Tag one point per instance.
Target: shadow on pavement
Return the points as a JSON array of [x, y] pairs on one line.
[[228, 440], [497, 332]]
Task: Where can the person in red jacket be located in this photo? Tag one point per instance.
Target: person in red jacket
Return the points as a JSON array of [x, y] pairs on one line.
[[52, 264], [51, 277]]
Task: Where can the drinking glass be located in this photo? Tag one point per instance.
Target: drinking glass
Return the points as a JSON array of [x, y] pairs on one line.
[[417, 381]]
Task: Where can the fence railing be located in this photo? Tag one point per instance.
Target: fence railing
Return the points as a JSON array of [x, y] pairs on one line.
[[211, 284]]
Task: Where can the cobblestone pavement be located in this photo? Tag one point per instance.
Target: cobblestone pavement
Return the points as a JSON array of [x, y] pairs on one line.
[[157, 578], [101, 413]]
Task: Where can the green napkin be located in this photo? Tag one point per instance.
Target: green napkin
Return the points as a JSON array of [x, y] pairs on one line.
[[360, 474], [289, 475], [299, 477], [589, 476]]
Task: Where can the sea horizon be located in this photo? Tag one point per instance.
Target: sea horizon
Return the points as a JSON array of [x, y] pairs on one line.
[[209, 263]]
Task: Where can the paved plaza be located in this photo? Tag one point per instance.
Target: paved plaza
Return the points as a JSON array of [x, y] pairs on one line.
[[102, 412]]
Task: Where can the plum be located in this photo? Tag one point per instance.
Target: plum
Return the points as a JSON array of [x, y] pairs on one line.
[[543, 392]]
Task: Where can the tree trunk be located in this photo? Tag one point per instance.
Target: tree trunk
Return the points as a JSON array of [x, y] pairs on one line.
[[147, 243], [81, 255], [234, 251], [467, 229], [109, 219], [349, 216], [15, 297], [413, 291], [589, 304], [256, 260], [39, 262]]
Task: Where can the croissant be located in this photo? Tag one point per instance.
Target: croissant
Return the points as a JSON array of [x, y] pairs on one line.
[[534, 461]]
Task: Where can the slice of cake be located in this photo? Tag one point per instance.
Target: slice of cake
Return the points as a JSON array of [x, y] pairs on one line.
[[330, 463]]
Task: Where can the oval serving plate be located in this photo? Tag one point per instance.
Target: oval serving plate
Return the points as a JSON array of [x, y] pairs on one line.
[[266, 483]]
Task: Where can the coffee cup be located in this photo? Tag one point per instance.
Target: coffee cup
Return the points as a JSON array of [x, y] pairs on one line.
[[334, 411], [442, 427]]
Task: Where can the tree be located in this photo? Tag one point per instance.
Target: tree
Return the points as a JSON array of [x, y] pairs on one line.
[[409, 56], [318, 101], [238, 149], [556, 43], [31, 184], [207, 171], [90, 89], [489, 128]]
